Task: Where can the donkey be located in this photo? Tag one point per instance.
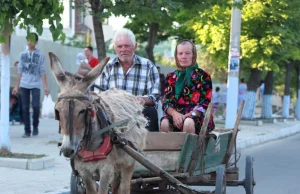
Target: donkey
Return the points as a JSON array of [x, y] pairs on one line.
[[81, 114]]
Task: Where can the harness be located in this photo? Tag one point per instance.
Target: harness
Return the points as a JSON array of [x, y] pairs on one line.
[[105, 128]]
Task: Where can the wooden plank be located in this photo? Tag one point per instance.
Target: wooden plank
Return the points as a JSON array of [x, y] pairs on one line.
[[213, 159], [234, 134], [200, 145], [165, 141], [166, 160], [186, 152], [223, 130]]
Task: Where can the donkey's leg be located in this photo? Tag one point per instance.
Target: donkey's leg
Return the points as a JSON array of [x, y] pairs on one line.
[[126, 174], [89, 182], [106, 174], [115, 185]]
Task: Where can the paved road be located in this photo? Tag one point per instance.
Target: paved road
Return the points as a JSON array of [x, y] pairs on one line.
[[276, 167]]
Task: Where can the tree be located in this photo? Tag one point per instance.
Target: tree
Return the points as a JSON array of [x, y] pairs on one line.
[[149, 20], [99, 10], [263, 38], [267, 96], [25, 14]]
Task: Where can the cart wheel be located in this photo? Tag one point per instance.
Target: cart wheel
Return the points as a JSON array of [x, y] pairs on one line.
[[76, 184], [221, 181], [249, 179]]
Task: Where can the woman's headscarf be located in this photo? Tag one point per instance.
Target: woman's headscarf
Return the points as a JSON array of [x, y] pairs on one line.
[[184, 72]]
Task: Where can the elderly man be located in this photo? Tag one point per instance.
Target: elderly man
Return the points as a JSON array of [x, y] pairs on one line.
[[134, 74]]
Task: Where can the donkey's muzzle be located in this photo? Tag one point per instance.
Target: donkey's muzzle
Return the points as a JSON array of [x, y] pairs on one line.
[[68, 152]]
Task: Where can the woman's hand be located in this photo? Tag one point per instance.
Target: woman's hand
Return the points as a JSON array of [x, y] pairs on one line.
[[178, 119]]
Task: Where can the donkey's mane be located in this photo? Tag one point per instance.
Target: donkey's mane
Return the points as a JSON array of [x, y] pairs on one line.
[[120, 105]]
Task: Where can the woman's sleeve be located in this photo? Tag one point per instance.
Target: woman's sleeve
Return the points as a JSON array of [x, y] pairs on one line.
[[169, 88], [205, 93]]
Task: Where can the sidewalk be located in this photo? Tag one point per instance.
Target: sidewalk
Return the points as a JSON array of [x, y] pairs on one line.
[[56, 180]]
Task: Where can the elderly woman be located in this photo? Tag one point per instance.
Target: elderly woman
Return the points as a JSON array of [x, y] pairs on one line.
[[188, 92]]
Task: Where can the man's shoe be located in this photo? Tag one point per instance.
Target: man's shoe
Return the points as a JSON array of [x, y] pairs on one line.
[[26, 135], [35, 132]]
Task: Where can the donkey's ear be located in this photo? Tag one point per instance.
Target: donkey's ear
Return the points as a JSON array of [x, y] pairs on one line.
[[90, 78], [57, 70]]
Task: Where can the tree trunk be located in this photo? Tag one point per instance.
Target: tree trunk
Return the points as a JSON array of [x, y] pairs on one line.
[[5, 82], [267, 96], [297, 106], [287, 84], [98, 28], [152, 40], [250, 101]]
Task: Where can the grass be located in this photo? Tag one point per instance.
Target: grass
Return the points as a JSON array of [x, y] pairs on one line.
[[53, 142], [7, 154]]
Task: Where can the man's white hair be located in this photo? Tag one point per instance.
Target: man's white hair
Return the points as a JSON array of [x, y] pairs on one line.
[[124, 32]]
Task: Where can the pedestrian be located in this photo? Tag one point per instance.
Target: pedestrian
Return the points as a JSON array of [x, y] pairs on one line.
[[83, 63], [261, 89], [216, 98], [93, 61], [242, 91], [134, 74], [224, 98], [31, 70]]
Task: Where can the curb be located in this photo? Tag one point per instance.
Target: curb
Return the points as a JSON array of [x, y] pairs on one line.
[[28, 164], [281, 133]]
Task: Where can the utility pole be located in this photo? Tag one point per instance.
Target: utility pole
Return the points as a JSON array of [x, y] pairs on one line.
[[233, 66]]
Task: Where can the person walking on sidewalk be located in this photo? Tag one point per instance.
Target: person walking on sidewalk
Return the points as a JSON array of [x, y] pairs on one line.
[[31, 70]]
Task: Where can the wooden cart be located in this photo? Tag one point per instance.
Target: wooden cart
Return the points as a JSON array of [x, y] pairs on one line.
[[171, 162], [204, 160]]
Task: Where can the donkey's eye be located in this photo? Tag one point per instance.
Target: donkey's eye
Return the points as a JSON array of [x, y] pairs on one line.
[[81, 112]]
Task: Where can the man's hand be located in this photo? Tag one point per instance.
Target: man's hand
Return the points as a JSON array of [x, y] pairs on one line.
[[15, 90], [47, 92], [141, 100]]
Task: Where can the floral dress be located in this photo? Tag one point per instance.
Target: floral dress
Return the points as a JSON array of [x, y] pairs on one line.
[[194, 97]]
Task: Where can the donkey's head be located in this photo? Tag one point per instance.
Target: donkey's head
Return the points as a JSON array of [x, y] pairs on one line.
[[73, 107]]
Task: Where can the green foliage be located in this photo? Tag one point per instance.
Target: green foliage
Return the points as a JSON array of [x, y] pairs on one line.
[[143, 13], [160, 59], [269, 33], [28, 14]]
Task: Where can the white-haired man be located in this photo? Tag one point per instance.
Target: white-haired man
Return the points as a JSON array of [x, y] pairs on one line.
[[134, 74]]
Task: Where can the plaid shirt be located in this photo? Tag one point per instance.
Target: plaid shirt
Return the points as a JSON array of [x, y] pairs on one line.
[[141, 79]]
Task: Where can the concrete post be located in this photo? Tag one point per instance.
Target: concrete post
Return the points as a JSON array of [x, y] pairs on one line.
[[233, 67]]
